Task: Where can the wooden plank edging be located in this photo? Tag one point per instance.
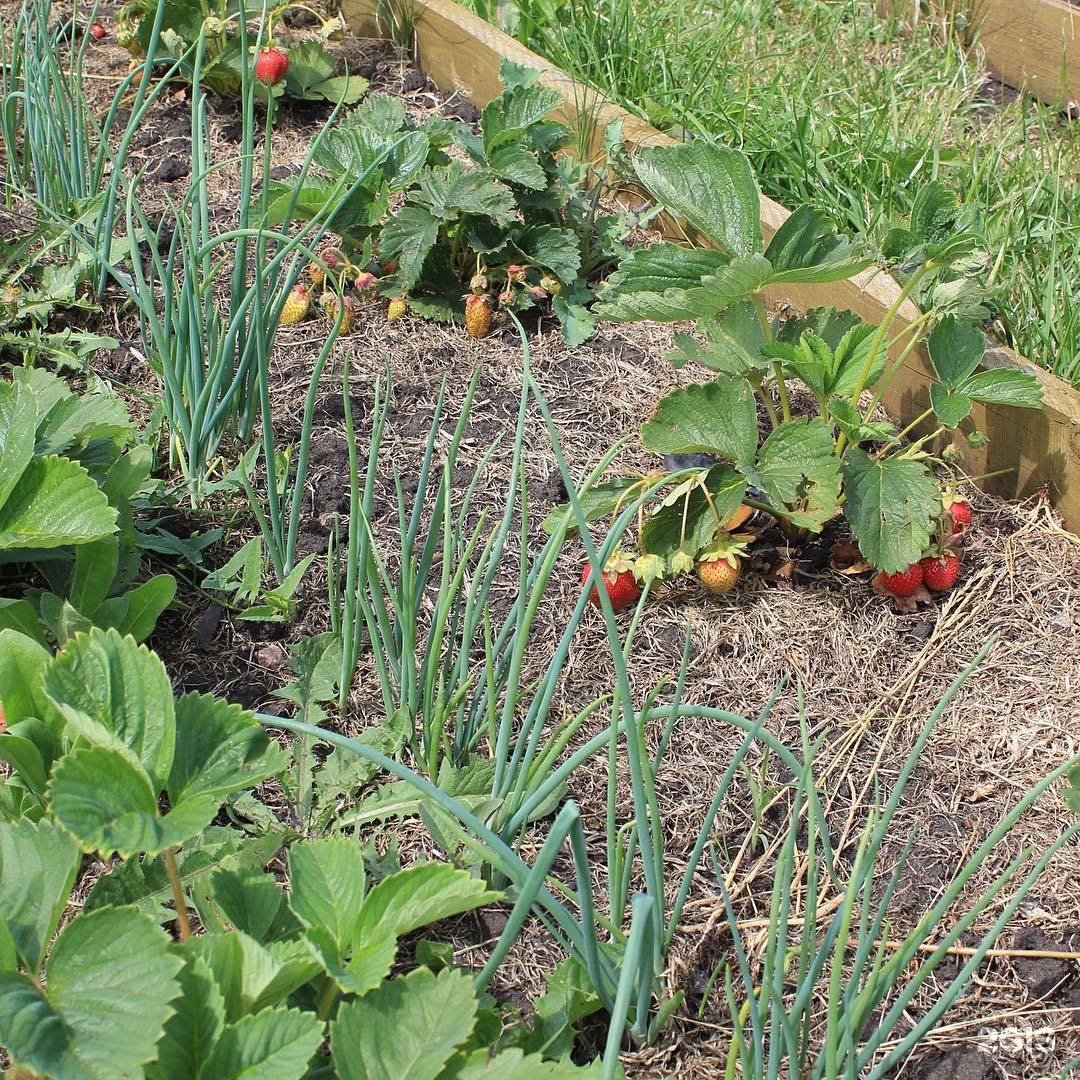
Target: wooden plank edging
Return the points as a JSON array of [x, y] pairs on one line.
[[1033, 45], [461, 52]]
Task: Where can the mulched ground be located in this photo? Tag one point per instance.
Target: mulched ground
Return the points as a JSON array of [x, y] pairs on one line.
[[868, 674]]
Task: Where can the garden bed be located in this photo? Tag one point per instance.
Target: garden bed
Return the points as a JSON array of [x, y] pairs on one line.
[[868, 675]]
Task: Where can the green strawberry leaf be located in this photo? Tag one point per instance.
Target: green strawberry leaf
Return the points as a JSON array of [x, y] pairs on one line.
[[220, 749], [274, 1044], [327, 886], [186, 1049], [105, 800], [710, 185], [718, 417], [577, 321], [735, 341], [553, 248], [109, 982], [891, 507], [18, 422], [23, 663], [949, 406], [956, 350], [598, 502], [799, 472], [850, 421], [116, 694], [423, 894], [430, 1016], [660, 268], [807, 249], [1004, 386], [38, 862], [451, 190], [408, 236], [55, 503]]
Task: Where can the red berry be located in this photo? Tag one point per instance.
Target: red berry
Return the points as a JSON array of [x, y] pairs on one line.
[[904, 582], [939, 572], [960, 512], [622, 588], [270, 66], [97, 31]]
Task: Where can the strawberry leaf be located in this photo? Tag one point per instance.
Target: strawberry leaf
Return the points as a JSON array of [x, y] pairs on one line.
[[734, 345], [451, 190], [552, 248], [807, 249], [719, 417], [798, 471], [891, 507], [950, 407], [408, 237], [710, 185], [955, 351], [1004, 386]]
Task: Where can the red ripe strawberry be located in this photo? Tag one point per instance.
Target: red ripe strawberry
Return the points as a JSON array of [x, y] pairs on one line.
[[271, 66], [97, 31], [940, 571], [477, 316], [960, 512], [622, 586], [904, 582]]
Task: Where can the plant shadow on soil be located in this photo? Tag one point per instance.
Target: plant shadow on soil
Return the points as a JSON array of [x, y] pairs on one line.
[[869, 675]]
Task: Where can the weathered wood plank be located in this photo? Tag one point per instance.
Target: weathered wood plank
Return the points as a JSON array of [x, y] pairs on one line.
[[1030, 44], [462, 52]]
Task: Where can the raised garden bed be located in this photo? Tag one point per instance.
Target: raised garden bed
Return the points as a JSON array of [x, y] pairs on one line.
[[861, 676]]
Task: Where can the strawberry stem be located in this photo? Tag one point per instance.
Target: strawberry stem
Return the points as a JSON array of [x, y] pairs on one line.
[[183, 926]]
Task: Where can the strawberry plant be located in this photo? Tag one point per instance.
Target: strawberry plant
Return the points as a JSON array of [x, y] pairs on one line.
[[806, 469], [306, 71], [510, 224], [32, 288], [266, 981], [70, 470]]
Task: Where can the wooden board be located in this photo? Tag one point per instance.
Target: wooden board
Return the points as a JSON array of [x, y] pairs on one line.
[[1030, 44], [461, 52]]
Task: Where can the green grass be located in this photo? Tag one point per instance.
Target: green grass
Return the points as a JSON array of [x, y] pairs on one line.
[[837, 107]]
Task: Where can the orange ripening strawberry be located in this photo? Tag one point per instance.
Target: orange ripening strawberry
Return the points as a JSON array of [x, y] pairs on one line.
[[718, 575], [618, 577], [940, 571], [477, 316], [271, 66], [904, 582], [719, 566]]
